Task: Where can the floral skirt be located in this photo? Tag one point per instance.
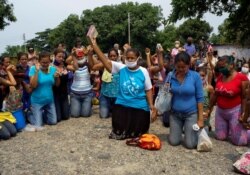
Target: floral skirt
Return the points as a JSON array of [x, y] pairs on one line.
[[129, 122]]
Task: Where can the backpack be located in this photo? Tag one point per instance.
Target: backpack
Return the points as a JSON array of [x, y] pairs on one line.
[[146, 141]]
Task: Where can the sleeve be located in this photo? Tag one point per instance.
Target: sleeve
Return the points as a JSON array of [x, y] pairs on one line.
[[32, 71], [198, 88], [116, 67], [147, 83]]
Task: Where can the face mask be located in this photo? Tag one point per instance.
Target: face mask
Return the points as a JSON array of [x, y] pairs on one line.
[[131, 64], [224, 71], [244, 70], [56, 63], [82, 61]]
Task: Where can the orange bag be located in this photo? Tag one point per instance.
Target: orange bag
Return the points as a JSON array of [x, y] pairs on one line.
[[146, 141]]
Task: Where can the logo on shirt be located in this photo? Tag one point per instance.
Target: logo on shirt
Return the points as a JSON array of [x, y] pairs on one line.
[[130, 87]]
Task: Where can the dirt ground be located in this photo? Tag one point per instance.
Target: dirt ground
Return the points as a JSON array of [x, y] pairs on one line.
[[81, 146]]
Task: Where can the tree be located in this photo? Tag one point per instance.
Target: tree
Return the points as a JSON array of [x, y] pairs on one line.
[[41, 41], [112, 24], [67, 32], [238, 21], [195, 28], [12, 51], [167, 36], [6, 14]]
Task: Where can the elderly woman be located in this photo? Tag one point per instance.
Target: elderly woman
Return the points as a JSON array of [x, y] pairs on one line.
[[230, 96], [131, 113]]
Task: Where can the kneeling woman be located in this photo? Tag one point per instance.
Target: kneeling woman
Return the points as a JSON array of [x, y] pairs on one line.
[[187, 103], [131, 113], [42, 79]]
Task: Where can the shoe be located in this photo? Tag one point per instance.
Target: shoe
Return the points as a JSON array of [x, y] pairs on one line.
[[29, 128], [39, 128]]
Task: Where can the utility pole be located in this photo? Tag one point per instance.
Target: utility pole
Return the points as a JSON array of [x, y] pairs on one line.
[[128, 28], [24, 42]]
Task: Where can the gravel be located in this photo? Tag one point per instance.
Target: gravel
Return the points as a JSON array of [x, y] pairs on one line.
[[81, 146]]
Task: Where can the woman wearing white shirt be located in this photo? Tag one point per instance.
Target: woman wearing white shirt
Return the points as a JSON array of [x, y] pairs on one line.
[[131, 113]]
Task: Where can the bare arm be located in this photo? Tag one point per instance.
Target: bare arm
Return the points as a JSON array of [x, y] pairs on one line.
[[106, 62], [149, 95], [94, 65], [34, 78], [11, 80], [200, 120]]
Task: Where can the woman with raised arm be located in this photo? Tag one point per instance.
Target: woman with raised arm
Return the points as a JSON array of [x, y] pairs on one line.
[[131, 113], [110, 84]]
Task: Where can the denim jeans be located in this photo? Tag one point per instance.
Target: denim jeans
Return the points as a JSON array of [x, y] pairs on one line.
[[106, 105], [81, 104], [180, 121], [62, 107], [43, 112]]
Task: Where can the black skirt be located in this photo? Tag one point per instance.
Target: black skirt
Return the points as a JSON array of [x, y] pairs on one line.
[[129, 122]]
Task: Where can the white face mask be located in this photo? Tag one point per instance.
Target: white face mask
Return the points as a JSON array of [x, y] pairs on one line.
[[82, 61], [244, 70], [131, 64]]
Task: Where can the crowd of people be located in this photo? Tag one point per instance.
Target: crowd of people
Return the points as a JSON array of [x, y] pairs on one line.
[[53, 87]]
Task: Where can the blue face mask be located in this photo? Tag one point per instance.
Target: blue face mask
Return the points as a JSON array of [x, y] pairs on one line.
[[56, 63]]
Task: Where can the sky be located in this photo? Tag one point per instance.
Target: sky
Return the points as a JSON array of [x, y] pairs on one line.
[[37, 15]]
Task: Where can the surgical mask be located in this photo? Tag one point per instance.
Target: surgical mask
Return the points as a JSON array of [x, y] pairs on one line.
[[82, 61], [131, 64], [244, 70], [224, 71]]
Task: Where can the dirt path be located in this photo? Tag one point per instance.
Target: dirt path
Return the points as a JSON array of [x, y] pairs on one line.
[[81, 146]]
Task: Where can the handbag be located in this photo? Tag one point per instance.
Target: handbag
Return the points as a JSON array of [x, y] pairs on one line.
[[163, 101], [146, 141]]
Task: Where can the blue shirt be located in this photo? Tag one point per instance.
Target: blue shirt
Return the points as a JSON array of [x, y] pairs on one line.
[[190, 49], [111, 89], [133, 86], [187, 94], [43, 93]]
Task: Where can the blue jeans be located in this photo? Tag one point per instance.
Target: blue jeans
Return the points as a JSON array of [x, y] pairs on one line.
[[180, 121], [81, 104], [40, 112], [106, 105]]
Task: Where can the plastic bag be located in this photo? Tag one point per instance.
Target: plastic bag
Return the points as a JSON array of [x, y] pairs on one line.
[[243, 164], [204, 142], [163, 101]]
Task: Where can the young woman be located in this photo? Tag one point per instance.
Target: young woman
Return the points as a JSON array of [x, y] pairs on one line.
[[42, 79], [7, 128], [110, 84], [131, 113], [81, 88], [187, 103], [230, 97], [61, 91], [22, 76]]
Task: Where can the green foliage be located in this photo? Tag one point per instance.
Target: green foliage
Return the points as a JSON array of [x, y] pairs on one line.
[[6, 14], [67, 32], [41, 41], [238, 21], [195, 28], [112, 24], [167, 37], [12, 51]]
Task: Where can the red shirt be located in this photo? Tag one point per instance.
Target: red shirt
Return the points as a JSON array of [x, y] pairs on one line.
[[229, 93]]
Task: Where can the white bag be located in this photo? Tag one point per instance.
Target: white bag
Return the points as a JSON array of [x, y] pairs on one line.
[[204, 142], [163, 101]]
